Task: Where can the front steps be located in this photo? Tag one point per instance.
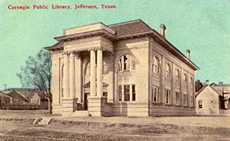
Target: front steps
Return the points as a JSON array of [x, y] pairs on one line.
[[80, 114]]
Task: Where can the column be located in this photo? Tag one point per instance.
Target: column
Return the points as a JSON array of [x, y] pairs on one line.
[[78, 80], [92, 73], [162, 83], [66, 75], [99, 73], [71, 75]]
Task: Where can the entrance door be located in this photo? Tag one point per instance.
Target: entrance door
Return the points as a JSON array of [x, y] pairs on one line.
[[85, 103]]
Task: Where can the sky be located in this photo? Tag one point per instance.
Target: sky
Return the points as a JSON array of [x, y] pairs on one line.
[[203, 26]]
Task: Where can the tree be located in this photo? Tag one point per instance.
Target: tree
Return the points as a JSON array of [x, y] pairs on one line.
[[198, 85], [36, 73]]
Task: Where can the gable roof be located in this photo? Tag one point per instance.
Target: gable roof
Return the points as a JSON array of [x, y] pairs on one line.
[[130, 28], [2, 94], [26, 93], [126, 30], [13, 93], [205, 87]]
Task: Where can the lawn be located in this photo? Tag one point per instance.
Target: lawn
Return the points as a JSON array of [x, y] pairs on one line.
[[115, 128]]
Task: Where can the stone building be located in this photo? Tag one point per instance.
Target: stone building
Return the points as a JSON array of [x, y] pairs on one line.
[[125, 69]]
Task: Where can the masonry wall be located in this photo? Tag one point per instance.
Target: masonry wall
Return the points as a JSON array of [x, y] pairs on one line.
[[56, 82], [139, 50], [175, 105]]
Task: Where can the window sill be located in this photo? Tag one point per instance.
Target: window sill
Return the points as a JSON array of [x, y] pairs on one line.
[[157, 103], [126, 71], [127, 102]]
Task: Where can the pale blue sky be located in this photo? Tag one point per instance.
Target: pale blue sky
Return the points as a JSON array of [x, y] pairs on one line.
[[203, 26]]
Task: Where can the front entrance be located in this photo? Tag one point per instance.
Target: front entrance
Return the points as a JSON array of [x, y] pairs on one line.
[[85, 101]]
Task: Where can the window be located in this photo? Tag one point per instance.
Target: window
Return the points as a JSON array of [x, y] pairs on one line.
[[126, 63], [167, 71], [120, 65], [105, 94], [185, 81], [133, 93], [120, 93], [191, 84], [156, 65], [167, 96], [129, 92], [177, 98], [200, 104], [126, 93], [155, 94], [177, 77], [185, 99]]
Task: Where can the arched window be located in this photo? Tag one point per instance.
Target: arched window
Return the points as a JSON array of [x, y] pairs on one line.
[[126, 63], [185, 78], [156, 65], [167, 71]]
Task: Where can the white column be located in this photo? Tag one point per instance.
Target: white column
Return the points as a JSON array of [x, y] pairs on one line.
[[78, 79], [92, 73], [66, 75], [99, 72], [71, 75]]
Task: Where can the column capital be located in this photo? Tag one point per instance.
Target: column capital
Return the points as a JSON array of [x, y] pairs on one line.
[[66, 53], [72, 54], [95, 48], [76, 54]]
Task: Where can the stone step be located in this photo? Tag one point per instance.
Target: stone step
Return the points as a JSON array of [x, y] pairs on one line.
[[80, 114]]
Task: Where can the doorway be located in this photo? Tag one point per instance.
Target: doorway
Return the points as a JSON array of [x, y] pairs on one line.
[[85, 102]]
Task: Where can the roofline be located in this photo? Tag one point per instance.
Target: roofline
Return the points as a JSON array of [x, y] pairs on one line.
[[4, 94], [154, 32], [85, 25], [171, 45], [123, 23], [21, 95], [206, 87]]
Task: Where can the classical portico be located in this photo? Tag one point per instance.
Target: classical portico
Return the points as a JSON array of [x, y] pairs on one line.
[[73, 75], [92, 40]]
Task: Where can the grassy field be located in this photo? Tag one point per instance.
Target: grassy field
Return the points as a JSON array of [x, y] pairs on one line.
[[13, 128]]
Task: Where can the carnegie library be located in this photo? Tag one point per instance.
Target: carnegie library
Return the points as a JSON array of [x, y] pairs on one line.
[[124, 69]]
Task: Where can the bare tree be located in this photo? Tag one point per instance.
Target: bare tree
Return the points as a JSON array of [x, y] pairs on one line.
[[36, 73]]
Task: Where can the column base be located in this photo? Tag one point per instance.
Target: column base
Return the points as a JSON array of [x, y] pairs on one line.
[[67, 106], [96, 105]]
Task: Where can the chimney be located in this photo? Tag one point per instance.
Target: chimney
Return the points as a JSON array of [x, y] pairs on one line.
[[162, 30], [188, 53]]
